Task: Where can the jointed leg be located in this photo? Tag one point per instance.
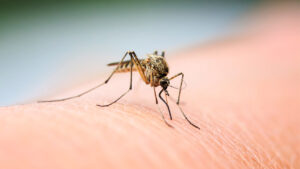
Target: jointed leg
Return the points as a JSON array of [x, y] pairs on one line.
[[156, 101], [151, 82], [133, 61], [187, 118], [83, 93], [130, 87], [180, 87], [139, 67], [178, 99]]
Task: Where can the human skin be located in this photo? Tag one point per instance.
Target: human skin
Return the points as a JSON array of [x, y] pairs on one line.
[[242, 92]]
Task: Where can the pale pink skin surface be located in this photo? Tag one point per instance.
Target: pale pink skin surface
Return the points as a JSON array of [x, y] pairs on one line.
[[243, 92]]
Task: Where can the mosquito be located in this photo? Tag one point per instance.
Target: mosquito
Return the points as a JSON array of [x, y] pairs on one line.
[[153, 71]]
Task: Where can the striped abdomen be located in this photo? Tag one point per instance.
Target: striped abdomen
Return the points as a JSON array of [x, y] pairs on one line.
[[124, 66]]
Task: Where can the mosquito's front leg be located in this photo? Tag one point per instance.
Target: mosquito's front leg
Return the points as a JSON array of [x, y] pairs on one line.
[[180, 87], [178, 99]]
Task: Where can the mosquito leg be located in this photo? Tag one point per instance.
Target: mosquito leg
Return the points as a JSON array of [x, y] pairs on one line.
[[133, 61], [106, 105], [139, 67], [178, 99], [85, 92], [151, 83], [128, 52], [130, 87], [180, 87], [156, 101], [187, 118]]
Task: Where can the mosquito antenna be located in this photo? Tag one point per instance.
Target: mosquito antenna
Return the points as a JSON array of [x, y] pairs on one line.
[[173, 87], [165, 103], [72, 97], [178, 87], [185, 85]]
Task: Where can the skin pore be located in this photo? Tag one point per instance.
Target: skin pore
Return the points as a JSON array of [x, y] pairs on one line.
[[242, 92]]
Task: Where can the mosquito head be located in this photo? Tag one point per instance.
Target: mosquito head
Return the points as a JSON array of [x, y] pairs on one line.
[[164, 83]]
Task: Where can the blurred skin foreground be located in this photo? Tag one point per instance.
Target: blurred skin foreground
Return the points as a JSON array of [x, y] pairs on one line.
[[243, 92]]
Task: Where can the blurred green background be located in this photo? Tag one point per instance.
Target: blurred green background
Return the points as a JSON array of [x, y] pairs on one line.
[[48, 46]]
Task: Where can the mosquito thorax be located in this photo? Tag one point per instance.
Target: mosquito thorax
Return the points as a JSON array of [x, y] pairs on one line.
[[156, 68]]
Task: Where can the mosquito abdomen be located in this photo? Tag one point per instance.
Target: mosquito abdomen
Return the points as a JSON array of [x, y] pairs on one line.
[[123, 67]]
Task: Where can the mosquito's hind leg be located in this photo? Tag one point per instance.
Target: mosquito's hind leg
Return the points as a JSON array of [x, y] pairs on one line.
[[178, 99], [83, 93], [133, 61], [139, 67], [130, 86]]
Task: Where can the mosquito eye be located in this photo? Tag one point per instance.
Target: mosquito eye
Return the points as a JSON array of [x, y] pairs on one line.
[[164, 84]]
